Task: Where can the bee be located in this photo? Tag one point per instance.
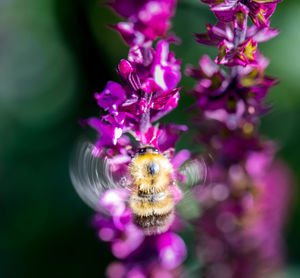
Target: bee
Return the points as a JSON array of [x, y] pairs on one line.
[[151, 201], [148, 180]]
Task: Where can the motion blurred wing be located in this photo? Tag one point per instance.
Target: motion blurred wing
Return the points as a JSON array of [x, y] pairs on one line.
[[194, 171], [90, 175]]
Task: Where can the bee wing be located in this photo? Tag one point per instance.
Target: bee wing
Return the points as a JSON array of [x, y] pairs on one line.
[[91, 175], [195, 172]]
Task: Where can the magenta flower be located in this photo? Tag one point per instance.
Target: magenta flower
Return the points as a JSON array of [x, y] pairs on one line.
[[170, 136], [147, 91], [149, 88], [128, 242], [230, 54], [171, 250], [142, 270], [225, 31], [228, 100], [148, 19], [239, 232], [230, 10], [242, 55], [242, 236], [163, 137], [110, 139], [117, 228]]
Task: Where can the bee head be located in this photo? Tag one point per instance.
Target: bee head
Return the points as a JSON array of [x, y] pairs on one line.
[[150, 169], [147, 149]]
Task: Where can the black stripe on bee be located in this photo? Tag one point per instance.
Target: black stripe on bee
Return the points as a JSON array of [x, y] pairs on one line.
[[147, 149], [144, 197]]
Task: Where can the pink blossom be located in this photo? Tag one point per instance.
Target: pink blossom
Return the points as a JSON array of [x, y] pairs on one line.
[[147, 19]]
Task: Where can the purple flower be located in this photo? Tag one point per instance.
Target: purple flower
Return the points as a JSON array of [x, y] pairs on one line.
[[230, 10], [242, 214], [152, 70], [110, 137], [163, 137], [230, 145], [140, 270], [117, 228], [123, 242], [143, 255], [240, 230], [148, 92], [229, 100], [148, 19], [166, 70], [171, 250], [150, 137], [131, 239], [225, 31], [170, 135], [243, 55], [222, 34], [259, 162], [113, 201], [111, 97]]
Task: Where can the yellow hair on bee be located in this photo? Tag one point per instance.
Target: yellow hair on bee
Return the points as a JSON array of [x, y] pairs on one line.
[[146, 181], [145, 206]]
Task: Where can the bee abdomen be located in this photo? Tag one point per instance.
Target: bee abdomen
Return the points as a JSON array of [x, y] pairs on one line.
[[151, 204], [153, 213], [154, 224]]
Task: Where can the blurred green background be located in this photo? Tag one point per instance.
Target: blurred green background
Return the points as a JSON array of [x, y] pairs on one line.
[[54, 54]]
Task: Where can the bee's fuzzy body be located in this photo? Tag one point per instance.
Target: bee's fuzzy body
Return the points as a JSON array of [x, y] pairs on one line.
[[151, 201]]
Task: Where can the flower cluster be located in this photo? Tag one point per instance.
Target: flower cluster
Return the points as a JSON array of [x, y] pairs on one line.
[[231, 99], [237, 10], [244, 210], [148, 78], [142, 256], [233, 51], [234, 97], [146, 92], [147, 19], [245, 203], [236, 42]]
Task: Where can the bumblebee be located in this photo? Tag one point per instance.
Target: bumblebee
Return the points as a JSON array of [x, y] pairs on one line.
[[150, 175], [151, 201]]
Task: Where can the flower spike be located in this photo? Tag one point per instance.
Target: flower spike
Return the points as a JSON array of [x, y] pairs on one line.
[[234, 238]]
